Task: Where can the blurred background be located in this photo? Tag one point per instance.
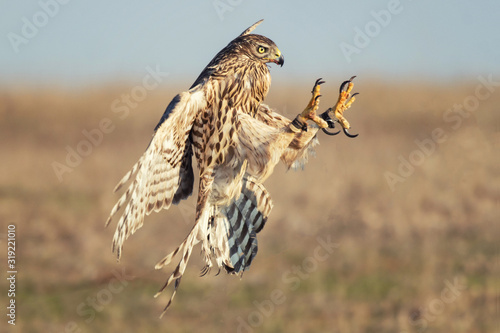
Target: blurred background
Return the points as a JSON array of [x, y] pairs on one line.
[[394, 231]]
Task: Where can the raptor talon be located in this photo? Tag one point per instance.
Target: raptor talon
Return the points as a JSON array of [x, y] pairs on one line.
[[317, 84], [329, 133], [342, 86], [309, 112], [348, 103], [347, 83], [349, 88], [329, 121], [344, 102], [349, 134]]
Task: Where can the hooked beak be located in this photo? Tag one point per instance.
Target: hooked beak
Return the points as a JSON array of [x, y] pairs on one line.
[[279, 59]]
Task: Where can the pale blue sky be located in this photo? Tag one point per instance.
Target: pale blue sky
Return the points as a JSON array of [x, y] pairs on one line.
[[83, 42]]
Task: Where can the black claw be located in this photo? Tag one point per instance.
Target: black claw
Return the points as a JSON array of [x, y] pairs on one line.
[[317, 97], [349, 134], [343, 85], [354, 95], [319, 81], [330, 133], [204, 271]]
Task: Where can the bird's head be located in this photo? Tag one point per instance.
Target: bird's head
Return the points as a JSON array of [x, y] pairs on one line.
[[260, 48], [257, 47]]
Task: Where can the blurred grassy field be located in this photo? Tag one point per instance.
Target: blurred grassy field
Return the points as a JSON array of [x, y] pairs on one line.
[[420, 256]]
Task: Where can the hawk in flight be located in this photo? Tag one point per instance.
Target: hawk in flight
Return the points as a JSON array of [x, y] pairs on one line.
[[237, 140]]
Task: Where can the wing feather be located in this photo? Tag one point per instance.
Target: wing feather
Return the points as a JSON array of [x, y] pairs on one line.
[[164, 172], [186, 176], [197, 234]]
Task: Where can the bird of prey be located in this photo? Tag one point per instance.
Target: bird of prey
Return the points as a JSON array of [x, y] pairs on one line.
[[237, 140]]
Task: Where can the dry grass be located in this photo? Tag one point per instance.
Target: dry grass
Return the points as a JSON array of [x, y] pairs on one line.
[[396, 250]]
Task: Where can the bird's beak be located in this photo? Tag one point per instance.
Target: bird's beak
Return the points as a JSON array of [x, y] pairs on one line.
[[279, 59]]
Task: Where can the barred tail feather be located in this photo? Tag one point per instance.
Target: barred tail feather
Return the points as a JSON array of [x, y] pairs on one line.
[[246, 216], [228, 235]]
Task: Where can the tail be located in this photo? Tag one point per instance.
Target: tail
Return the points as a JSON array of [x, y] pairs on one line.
[[228, 235], [245, 217]]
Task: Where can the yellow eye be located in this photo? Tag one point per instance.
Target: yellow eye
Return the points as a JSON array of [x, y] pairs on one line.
[[261, 49]]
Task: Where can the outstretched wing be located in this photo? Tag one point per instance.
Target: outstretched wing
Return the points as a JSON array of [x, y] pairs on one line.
[[164, 172]]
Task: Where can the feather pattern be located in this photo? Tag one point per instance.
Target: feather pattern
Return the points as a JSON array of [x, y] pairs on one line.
[[158, 171], [236, 141], [246, 217]]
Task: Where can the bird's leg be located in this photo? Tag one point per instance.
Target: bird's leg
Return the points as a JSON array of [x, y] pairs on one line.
[[309, 112], [343, 103], [324, 121]]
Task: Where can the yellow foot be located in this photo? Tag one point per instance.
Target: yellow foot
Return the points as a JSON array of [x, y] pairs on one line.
[[344, 102], [309, 112]]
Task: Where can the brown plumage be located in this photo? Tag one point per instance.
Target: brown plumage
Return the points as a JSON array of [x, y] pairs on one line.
[[236, 141]]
